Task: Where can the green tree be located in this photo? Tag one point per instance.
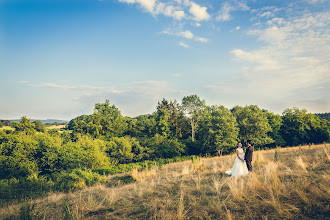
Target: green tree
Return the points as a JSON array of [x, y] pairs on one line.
[[105, 122], [164, 147], [24, 125], [300, 127], [253, 124], [39, 126], [275, 121], [218, 130], [163, 118], [193, 106]]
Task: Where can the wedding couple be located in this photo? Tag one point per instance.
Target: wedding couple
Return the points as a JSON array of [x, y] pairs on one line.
[[242, 164]]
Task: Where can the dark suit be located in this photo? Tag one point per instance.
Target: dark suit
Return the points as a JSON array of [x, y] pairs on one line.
[[248, 157]]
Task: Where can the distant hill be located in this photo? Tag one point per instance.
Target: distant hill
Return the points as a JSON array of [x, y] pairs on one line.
[[46, 121]]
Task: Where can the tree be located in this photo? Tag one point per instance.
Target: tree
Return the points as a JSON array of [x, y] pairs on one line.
[[275, 121], [193, 106], [218, 130], [105, 122], [24, 125], [163, 118], [300, 127], [253, 124], [39, 126]]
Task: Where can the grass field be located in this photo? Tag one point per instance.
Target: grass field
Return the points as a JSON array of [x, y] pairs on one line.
[[295, 184], [7, 128], [56, 126]]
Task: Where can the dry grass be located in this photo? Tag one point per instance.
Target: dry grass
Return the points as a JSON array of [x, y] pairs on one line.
[[7, 128], [297, 186], [56, 126]]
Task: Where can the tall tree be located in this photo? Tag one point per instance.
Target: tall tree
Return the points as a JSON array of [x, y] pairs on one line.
[[193, 106], [218, 130], [253, 124], [105, 122], [163, 118], [24, 125], [275, 121]]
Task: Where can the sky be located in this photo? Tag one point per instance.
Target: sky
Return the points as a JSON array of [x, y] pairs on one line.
[[60, 57]]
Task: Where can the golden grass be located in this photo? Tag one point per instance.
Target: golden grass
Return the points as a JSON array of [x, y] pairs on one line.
[[7, 128], [56, 126], [297, 186]]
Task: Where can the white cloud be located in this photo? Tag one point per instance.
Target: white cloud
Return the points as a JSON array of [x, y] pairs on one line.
[[201, 39], [128, 1], [149, 5], [224, 14], [169, 11], [237, 28], [314, 1], [186, 34], [197, 24], [182, 44], [200, 13], [266, 14], [295, 56], [228, 7]]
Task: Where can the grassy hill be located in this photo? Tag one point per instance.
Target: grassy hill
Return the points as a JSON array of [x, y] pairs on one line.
[[287, 183]]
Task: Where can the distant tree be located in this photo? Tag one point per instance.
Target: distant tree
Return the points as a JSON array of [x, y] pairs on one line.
[[253, 124], [218, 130], [5, 122], [193, 106], [105, 122], [24, 125], [300, 127], [324, 115], [39, 126]]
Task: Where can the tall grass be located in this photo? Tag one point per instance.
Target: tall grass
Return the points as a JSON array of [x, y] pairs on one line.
[[295, 186]]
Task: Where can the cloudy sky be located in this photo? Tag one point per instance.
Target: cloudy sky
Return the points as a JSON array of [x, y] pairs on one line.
[[60, 57]]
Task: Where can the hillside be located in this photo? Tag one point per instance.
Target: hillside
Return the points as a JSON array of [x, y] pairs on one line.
[[295, 184]]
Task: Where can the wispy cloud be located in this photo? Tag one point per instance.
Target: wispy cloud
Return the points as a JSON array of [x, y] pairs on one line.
[[224, 13], [132, 98], [182, 44], [294, 57], [186, 34]]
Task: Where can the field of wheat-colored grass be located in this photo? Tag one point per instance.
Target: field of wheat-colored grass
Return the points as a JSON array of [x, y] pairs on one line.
[[295, 185], [56, 126], [7, 128]]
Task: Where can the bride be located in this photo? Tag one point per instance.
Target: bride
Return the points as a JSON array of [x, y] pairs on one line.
[[239, 167]]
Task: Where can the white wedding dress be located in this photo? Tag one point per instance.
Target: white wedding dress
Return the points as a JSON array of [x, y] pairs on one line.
[[239, 167]]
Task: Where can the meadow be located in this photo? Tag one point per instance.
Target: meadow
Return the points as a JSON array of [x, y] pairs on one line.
[[287, 183]]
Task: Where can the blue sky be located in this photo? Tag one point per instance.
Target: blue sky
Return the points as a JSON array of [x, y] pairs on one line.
[[60, 57]]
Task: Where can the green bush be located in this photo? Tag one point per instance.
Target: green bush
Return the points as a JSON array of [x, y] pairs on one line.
[[75, 180], [24, 188]]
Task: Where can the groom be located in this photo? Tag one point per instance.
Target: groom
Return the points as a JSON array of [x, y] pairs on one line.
[[248, 155]]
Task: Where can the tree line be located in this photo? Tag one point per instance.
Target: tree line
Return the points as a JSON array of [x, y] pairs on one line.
[[108, 142]]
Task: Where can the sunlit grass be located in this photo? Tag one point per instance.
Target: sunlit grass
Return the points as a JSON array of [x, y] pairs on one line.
[[296, 186]]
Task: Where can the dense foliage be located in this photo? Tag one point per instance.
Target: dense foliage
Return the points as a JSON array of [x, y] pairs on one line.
[[324, 115], [106, 142]]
